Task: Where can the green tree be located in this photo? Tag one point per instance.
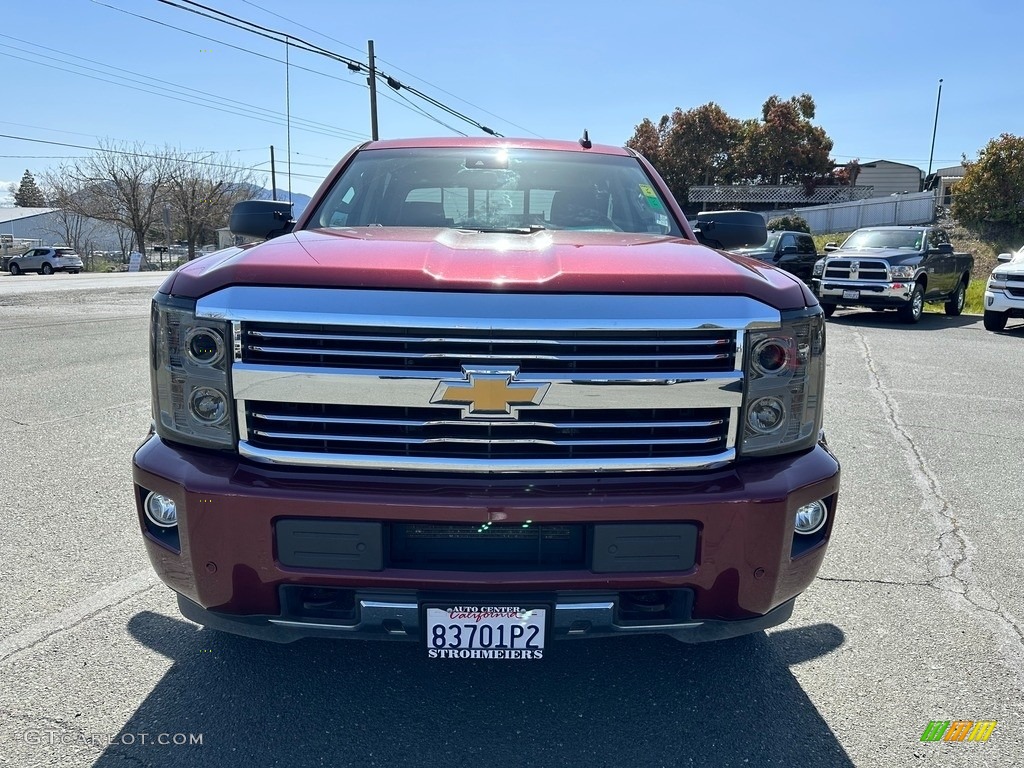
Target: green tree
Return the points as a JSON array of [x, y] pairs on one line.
[[791, 223], [784, 147], [691, 147], [705, 145], [991, 192], [28, 194]]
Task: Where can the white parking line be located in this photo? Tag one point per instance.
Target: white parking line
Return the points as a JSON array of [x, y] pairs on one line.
[[110, 596]]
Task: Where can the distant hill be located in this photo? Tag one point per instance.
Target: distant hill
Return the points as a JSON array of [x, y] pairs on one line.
[[299, 201]]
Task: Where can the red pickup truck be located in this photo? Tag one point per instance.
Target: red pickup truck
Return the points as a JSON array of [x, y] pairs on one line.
[[486, 394]]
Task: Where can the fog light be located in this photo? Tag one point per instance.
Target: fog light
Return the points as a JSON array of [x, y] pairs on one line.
[[810, 518], [161, 510], [208, 405], [766, 414]]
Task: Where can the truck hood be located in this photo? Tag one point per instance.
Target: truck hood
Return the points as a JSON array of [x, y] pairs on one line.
[[419, 258], [1015, 267]]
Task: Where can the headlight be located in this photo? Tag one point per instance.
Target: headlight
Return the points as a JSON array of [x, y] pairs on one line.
[[785, 371], [997, 280], [905, 272], [189, 371], [819, 268]]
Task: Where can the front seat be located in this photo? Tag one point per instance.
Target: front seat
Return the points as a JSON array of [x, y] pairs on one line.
[[422, 214], [579, 207]]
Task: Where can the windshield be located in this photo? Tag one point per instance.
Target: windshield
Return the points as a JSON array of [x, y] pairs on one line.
[[768, 245], [885, 238], [495, 189]]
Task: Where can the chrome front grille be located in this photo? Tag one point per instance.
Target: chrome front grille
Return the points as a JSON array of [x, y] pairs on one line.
[[1015, 286], [618, 383], [561, 434], [427, 349], [843, 269]]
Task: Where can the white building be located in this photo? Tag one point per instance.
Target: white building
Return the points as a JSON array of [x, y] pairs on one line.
[[49, 226], [889, 178]]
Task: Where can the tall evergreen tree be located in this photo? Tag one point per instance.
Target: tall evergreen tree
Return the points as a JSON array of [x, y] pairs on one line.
[[28, 194]]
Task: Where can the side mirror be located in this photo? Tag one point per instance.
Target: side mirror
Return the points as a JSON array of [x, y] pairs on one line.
[[1004, 257], [788, 250], [730, 229], [829, 247], [942, 248], [261, 218]]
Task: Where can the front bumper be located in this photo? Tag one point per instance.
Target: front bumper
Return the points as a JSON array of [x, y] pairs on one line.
[[224, 558], [999, 301], [869, 294]]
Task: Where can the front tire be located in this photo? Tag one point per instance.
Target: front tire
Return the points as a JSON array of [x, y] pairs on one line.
[[955, 305], [828, 309], [910, 313], [46, 269], [995, 321], [14, 269]]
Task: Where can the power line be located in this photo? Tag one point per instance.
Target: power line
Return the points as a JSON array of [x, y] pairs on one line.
[[226, 44], [359, 50], [243, 110], [354, 65], [123, 152]]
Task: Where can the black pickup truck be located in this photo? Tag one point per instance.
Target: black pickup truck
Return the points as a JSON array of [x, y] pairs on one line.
[[897, 268], [794, 252]]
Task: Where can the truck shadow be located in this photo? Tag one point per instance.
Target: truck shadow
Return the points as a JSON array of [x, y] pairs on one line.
[[930, 321], [642, 701]]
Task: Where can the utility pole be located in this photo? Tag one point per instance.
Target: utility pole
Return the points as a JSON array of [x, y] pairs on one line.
[[935, 128], [373, 92], [273, 175]]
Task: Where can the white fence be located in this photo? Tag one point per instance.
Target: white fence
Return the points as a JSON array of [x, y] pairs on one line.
[[909, 208]]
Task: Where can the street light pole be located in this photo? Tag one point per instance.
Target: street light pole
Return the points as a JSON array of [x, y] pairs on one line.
[[935, 128]]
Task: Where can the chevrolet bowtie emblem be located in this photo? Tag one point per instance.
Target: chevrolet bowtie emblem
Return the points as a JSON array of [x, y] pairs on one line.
[[489, 393]]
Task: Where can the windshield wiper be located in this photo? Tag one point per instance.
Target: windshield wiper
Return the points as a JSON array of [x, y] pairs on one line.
[[507, 230]]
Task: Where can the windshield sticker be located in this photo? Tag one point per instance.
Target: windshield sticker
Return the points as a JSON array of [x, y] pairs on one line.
[[650, 196]]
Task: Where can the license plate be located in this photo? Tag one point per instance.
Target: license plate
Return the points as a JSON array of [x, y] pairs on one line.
[[851, 294], [486, 632]]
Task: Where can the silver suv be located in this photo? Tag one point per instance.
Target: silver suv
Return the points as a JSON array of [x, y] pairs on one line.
[[46, 261]]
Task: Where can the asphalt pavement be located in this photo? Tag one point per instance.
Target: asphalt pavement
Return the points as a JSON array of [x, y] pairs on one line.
[[917, 614]]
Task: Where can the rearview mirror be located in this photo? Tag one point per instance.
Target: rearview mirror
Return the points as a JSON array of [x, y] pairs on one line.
[[730, 229], [261, 218]]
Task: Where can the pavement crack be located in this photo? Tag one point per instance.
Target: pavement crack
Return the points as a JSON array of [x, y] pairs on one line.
[[129, 404], [952, 553], [878, 581]]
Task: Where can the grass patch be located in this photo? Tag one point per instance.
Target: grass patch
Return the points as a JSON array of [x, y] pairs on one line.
[[973, 305]]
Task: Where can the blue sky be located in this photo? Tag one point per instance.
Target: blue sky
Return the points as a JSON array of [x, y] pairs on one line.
[[529, 68]]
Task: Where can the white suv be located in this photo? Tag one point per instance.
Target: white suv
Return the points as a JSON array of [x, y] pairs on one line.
[[1004, 294], [46, 261]]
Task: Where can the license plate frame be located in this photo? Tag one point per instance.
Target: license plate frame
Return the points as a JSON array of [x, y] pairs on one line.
[[851, 295], [474, 631]]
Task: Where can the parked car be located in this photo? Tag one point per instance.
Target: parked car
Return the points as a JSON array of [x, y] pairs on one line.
[[1004, 293], [897, 268], [794, 252], [46, 261]]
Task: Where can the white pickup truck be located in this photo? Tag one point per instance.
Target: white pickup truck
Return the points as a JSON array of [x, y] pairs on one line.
[[1004, 294]]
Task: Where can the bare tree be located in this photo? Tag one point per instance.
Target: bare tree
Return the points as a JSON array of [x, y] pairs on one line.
[[123, 184], [201, 190], [69, 226]]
